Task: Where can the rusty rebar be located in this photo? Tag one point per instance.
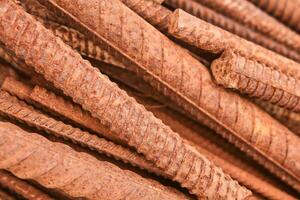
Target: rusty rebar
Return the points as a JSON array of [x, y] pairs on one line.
[[31, 117], [287, 11], [251, 16], [288, 118], [57, 166], [232, 26], [257, 80], [21, 187], [167, 67], [121, 114], [151, 11]]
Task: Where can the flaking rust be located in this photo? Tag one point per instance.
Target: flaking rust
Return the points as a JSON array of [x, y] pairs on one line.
[[126, 119], [248, 14], [256, 80], [21, 187], [33, 118], [286, 11], [174, 72], [232, 26], [57, 166]]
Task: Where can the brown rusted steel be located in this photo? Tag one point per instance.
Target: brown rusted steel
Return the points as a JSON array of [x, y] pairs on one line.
[[36, 9], [126, 119], [167, 67], [235, 167], [82, 44], [257, 80], [232, 26], [288, 118], [287, 11], [251, 16], [21, 187], [17, 64], [31, 117], [151, 11], [211, 38], [74, 174]]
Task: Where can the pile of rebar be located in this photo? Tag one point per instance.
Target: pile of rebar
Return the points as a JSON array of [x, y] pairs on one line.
[[149, 99]]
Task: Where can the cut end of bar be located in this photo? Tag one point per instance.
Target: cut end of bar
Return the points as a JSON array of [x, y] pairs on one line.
[[222, 73], [177, 21]]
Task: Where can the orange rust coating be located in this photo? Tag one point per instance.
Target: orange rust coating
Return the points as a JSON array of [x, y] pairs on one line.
[[21, 187], [176, 74], [232, 26], [257, 80], [251, 16], [288, 118], [58, 166], [33, 118], [121, 114], [287, 11], [203, 35]]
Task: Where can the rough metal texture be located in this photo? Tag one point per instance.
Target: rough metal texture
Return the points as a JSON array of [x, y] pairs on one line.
[[248, 14], [82, 44], [126, 119], [151, 11], [35, 8], [20, 66], [232, 26], [211, 38], [172, 71], [288, 118], [230, 164], [78, 175], [21, 187], [256, 80], [17, 110], [286, 11]]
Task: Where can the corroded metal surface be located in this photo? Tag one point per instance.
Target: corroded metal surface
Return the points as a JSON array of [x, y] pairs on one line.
[[192, 88], [120, 113], [57, 166]]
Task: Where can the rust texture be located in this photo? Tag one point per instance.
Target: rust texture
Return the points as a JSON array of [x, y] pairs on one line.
[[232, 26], [288, 118], [57, 105], [57, 166], [167, 67], [16, 63], [151, 11], [234, 167], [248, 14], [17, 110], [126, 119], [35, 8], [21, 187], [82, 44], [211, 38], [287, 11], [256, 80]]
